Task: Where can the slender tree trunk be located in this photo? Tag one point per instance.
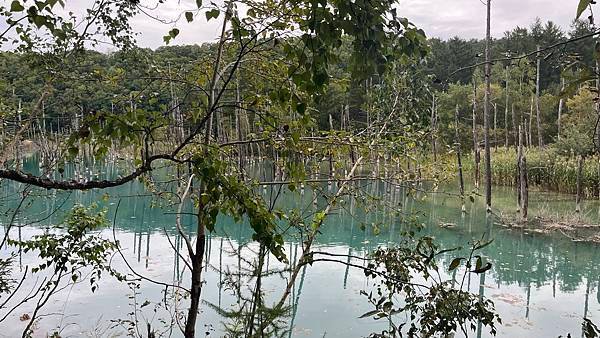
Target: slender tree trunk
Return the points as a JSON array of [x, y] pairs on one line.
[[486, 121], [514, 126], [506, 109], [459, 160], [524, 189], [518, 178], [495, 126], [197, 255], [214, 79], [529, 133], [560, 107], [475, 140], [433, 129], [196, 288], [537, 101], [238, 125], [579, 188]]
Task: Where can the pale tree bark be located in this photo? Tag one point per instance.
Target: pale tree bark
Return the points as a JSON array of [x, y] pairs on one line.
[[495, 126], [475, 139], [524, 184], [461, 180], [514, 126], [579, 188], [518, 176], [486, 109], [561, 104], [537, 100], [506, 110], [434, 128], [529, 131]]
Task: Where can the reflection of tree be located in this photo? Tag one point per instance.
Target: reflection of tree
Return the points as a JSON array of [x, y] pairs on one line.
[[528, 260]]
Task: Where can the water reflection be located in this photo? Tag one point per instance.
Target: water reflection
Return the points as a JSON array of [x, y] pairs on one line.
[[541, 284]]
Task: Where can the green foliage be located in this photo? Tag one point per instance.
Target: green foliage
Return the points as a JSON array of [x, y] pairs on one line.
[[433, 307], [6, 283], [579, 125], [590, 330], [227, 194], [38, 24], [72, 247]]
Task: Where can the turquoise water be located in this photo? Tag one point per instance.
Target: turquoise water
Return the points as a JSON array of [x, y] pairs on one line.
[[542, 285]]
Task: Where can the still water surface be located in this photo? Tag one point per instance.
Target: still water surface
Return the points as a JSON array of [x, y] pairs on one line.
[[542, 285]]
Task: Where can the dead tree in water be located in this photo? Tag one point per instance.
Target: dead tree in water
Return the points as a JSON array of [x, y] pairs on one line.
[[561, 104], [523, 180], [506, 110], [434, 128], [537, 101], [495, 126], [475, 140], [514, 122], [579, 174], [459, 160], [486, 110], [524, 188], [529, 130], [518, 176]]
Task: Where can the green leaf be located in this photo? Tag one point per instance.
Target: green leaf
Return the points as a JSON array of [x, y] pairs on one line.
[[212, 14], [73, 151], [455, 263], [301, 107], [16, 6], [321, 78], [189, 16], [583, 4], [173, 33], [369, 314], [199, 3], [483, 269]]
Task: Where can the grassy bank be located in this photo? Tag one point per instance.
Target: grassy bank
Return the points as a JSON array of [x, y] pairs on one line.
[[547, 169]]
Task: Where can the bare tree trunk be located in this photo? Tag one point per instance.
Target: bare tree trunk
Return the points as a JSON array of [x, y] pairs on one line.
[[524, 185], [514, 126], [475, 140], [537, 100], [459, 160], [212, 112], [529, 137], [433, 129], [518, 178], [506, 110], [486, 119], [495, 126], [238, 125], [561, 103], [579, 188]]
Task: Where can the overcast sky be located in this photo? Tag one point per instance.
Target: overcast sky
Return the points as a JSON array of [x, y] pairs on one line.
[[439, 18], [466, 18]]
